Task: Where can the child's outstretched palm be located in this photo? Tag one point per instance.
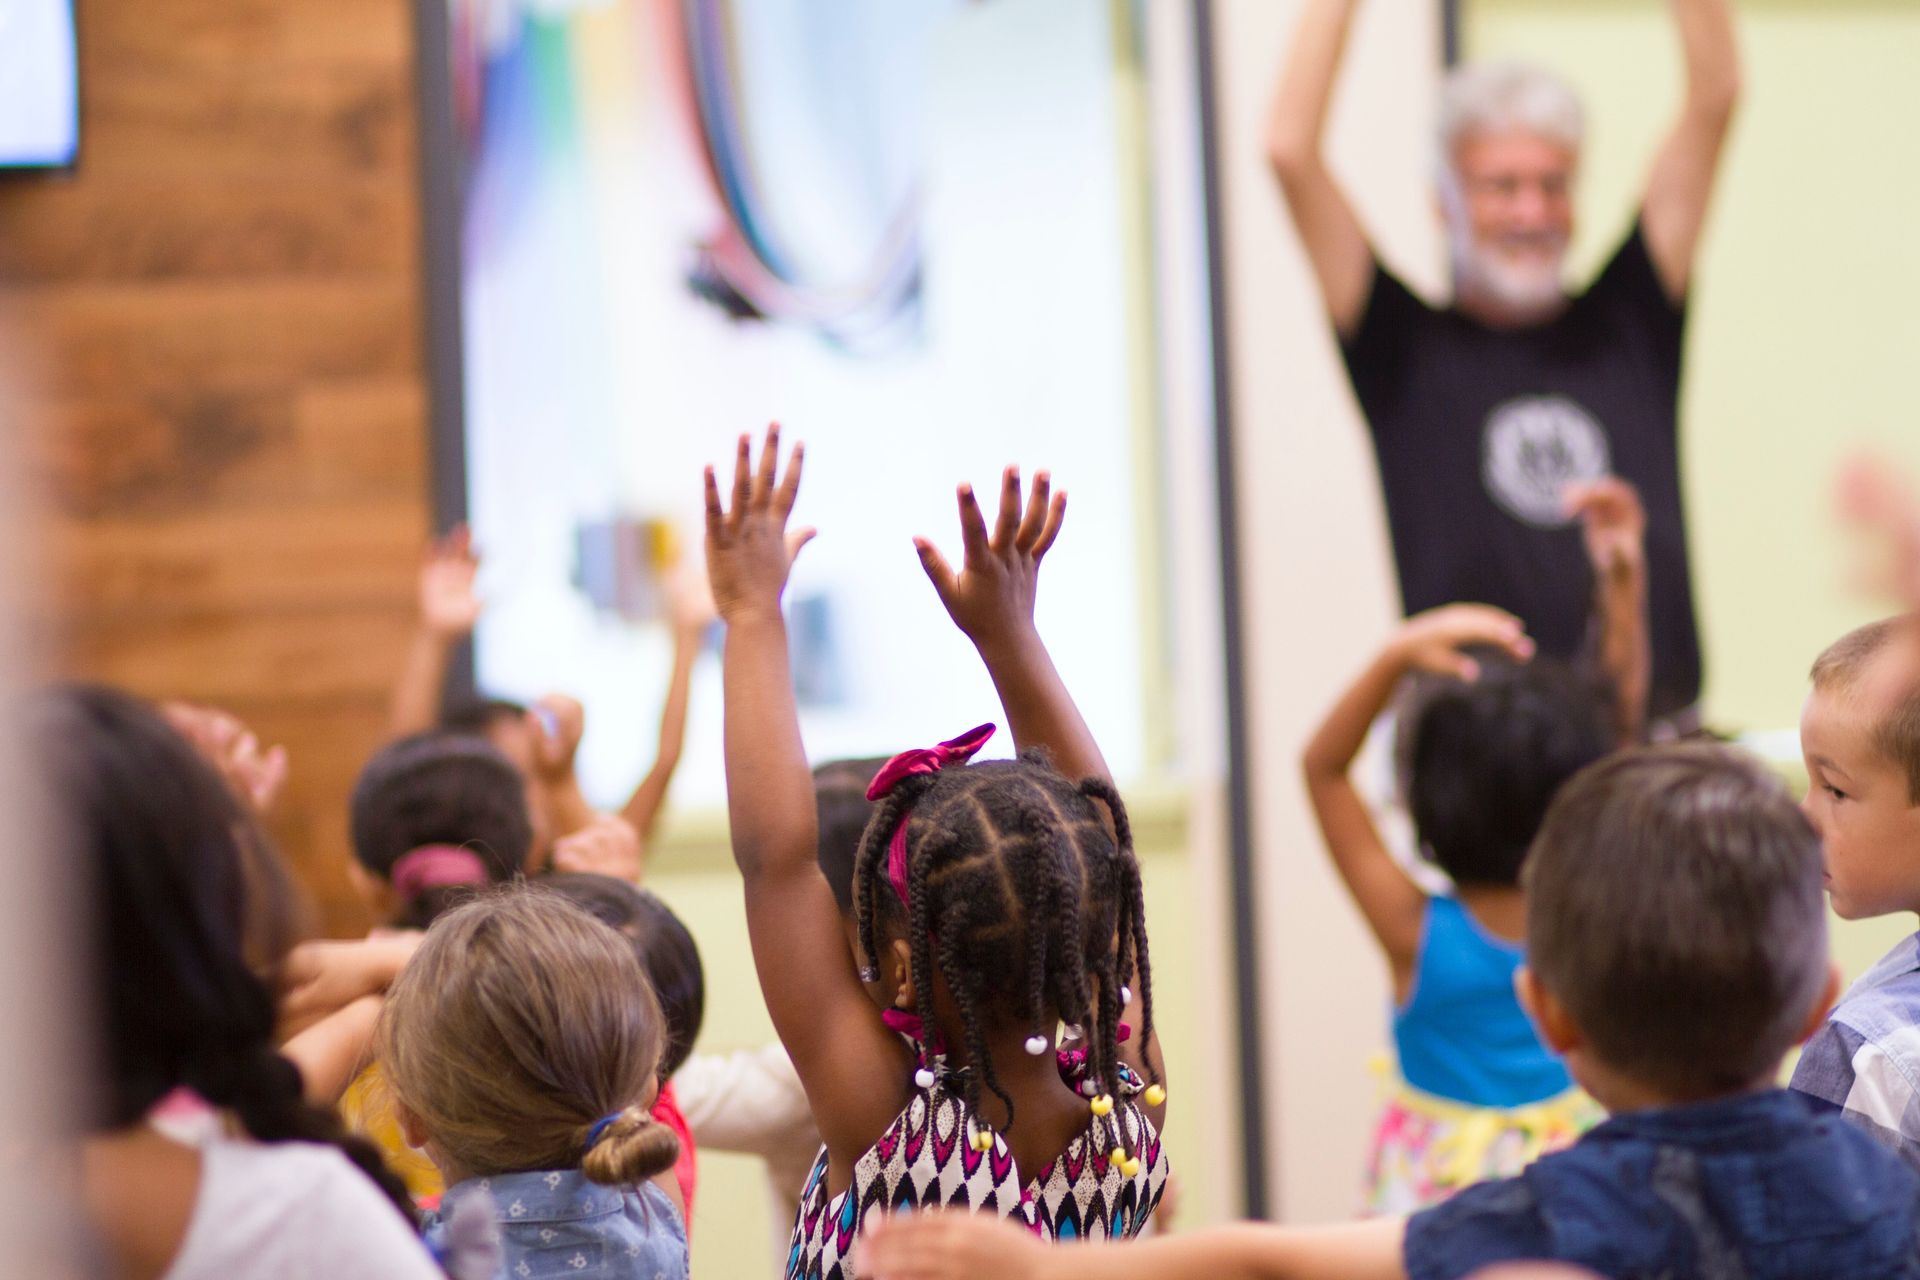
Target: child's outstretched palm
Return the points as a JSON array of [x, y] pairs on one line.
[[750, 550], [993, 592], [449, 605]]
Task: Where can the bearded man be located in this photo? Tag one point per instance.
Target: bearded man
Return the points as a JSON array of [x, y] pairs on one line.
[[1485, 412]]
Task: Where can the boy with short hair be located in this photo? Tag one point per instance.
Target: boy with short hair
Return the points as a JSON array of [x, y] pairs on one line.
[[1860, 734], [1678, 946]]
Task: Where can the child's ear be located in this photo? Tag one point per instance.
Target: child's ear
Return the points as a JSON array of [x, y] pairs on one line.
[[1557, 1030], [1829, 996], [900, 962], [373, 891], [411, 1130]]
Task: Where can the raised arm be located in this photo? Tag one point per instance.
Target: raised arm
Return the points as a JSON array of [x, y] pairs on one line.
[[1681, 185], [1393, 905], [991, 600], [448, 610], [856, 1073], [692, 613], [1615, 526], [959, 1246], [1335, 243]]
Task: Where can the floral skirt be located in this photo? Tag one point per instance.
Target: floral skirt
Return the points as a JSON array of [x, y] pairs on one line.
[[1426, 1148]]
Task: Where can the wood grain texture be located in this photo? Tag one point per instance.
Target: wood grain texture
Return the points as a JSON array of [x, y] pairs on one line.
[[215, 330]]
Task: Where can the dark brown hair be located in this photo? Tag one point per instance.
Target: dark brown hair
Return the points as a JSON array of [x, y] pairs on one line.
[[520, 1023], [1029, 906], [1674, 907], [190, 913], [1840, 668]]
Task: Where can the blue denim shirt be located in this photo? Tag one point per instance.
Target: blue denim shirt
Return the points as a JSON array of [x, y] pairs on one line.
[[559, 1223], [1757, 1187]]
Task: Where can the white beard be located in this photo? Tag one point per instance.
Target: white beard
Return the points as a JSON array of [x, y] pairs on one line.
[[1527, 292]]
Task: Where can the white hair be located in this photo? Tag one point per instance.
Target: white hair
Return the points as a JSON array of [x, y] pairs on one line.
[[1497, 97]]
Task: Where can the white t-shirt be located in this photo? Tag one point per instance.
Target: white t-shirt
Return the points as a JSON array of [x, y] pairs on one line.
[[292, 1211]]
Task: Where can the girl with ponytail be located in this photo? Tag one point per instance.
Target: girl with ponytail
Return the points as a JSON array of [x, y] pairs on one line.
[[203, 1159], [522, 1048]]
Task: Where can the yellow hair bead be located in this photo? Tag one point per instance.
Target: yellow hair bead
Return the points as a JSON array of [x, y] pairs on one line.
[[1154, 1096], [983, 1140], [1103, 1105], [1118, 1159], [1131, 1168]]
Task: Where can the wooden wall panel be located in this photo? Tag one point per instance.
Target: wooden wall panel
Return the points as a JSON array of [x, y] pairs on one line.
[[216, 327]]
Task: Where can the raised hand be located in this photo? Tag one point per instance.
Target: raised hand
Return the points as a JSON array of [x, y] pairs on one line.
[[607, 846], [449, 608], [558, 723], [993, 593], [1872, 497], [750, 550], [690, 609], [1435, 641], [254, 773], [1613, 521]]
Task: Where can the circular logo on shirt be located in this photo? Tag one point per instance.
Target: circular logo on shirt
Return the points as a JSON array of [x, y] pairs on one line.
[[1534, 447]]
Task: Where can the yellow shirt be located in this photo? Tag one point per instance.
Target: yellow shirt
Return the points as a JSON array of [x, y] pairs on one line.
[[367, 1109]]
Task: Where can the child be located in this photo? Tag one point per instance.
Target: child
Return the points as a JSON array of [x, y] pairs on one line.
[[201, 1159], [1492, 739], [1860, 733], [1479, 1095], [540, 741], [1679, 949], [433, 817], [992, 901], [522, 1044], [671, 961]]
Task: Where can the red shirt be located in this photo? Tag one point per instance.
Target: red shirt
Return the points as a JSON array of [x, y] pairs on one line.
[[686, 1170]]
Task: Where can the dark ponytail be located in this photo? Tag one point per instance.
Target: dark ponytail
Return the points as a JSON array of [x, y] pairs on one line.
[[189, 907]]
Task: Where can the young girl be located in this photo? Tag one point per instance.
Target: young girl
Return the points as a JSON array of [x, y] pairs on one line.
[[992, 903], [1492, 741], [671, 961], [522, 1045], [202, 1158]]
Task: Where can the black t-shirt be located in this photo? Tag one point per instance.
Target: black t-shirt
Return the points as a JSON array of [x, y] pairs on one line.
[[1477, 431]]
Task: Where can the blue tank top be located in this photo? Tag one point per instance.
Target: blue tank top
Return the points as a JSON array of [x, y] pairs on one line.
[[1462, 1034]]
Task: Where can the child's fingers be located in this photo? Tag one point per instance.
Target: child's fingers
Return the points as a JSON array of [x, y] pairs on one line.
[[1009, 518], [790, 486], [973, 525], [938, 571], [1035, 518], [742, 478], [716, 515], [1056, 513], [763, 480]]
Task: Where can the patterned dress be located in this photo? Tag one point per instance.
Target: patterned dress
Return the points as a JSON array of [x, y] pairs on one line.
[[925, 1161]]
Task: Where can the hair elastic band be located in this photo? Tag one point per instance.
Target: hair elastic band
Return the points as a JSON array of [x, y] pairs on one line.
[[435, 866], [908, 764], [599, 1129]]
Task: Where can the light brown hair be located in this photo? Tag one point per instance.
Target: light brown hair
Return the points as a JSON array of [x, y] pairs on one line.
[[1674, 908], [1897, 735], [520, 1023]]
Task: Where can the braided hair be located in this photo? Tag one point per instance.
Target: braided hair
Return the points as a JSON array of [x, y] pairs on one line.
[[189, 906], [1021, 897]]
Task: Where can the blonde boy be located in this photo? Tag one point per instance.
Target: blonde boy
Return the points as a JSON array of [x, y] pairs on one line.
[[1860, 733]]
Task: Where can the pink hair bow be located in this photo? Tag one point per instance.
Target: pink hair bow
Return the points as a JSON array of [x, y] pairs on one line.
[[906, 765]]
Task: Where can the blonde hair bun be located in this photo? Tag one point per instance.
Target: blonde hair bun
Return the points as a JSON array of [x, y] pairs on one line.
[[633, 1149]]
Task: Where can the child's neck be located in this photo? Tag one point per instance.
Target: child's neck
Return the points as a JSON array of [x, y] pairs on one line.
[[1498, 908], [1049, 1114]]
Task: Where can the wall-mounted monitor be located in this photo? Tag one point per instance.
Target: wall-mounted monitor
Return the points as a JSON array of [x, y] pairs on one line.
[[39, 85]]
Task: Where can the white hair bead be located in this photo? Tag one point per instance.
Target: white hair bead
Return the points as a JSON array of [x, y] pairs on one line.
[[1037, 1045], [924, 1078]]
